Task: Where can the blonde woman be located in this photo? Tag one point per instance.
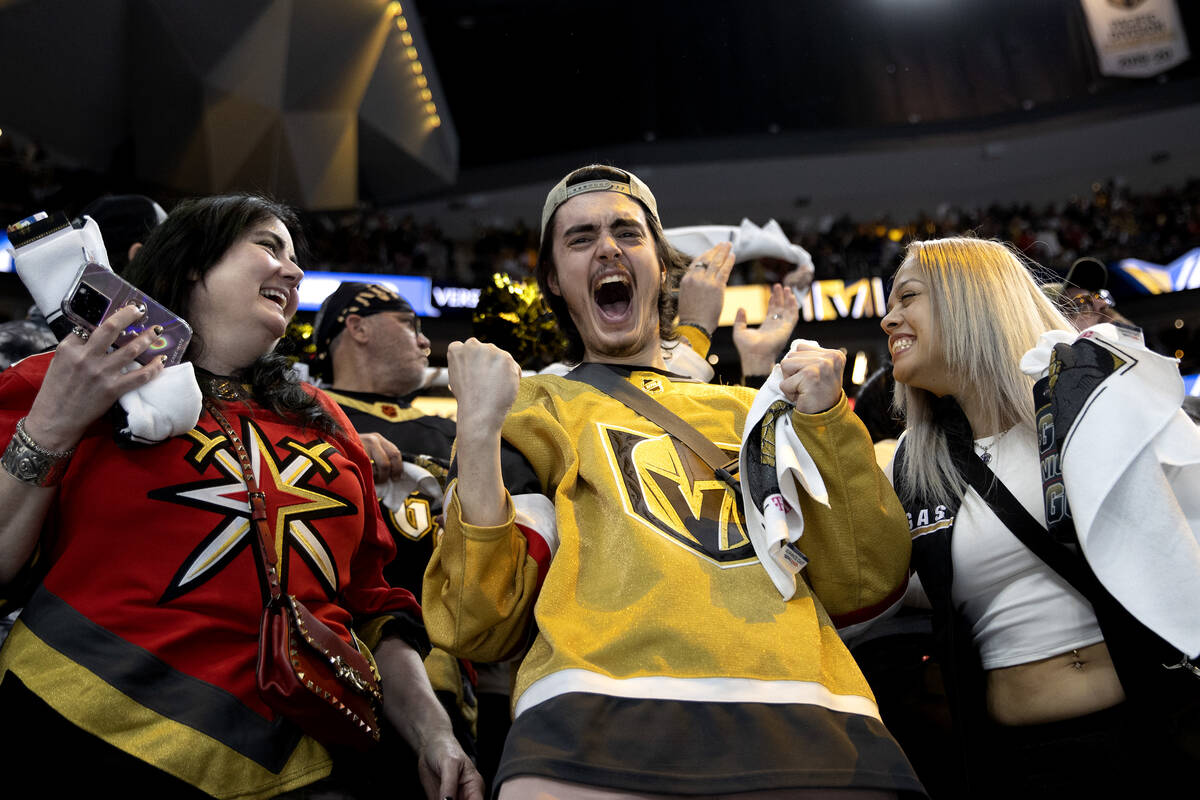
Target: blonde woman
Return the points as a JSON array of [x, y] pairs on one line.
[[1034, 692]]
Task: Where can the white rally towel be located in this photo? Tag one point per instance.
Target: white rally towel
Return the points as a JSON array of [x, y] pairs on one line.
[[396, 489], [167, 406], [749, 241], [776, 522], [1131, 469]]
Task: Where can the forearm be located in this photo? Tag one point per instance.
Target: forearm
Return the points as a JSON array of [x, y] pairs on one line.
[[408, 699], [480, 487], [756, 365]]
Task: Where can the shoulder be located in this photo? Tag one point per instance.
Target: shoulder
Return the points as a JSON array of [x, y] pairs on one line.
[[335, 411], [546, 389]]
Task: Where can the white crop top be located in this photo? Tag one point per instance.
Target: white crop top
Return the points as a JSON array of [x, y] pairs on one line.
[[1019, 609]]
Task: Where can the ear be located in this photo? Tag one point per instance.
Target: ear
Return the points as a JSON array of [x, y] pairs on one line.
[[133, 250], [357, 328], [552, 282]]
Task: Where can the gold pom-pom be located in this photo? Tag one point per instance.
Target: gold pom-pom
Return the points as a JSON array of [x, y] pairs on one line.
[[513, 315]]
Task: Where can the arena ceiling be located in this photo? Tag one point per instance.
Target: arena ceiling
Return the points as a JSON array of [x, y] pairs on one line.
[[316, 100]]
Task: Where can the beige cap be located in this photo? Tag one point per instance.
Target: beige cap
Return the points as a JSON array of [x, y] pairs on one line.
[[597, 178]]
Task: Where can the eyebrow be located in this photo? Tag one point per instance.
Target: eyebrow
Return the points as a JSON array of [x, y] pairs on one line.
[[279, 243], [896, 289], [591, 227]]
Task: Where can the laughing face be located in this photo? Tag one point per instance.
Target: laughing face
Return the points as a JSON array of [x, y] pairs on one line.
[[242, 306], [607, 270], [913, 340]]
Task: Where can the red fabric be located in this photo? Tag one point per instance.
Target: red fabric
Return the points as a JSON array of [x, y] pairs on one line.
[[127, 522]]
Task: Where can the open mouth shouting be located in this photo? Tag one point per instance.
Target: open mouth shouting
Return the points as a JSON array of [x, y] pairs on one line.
[[612, 292]]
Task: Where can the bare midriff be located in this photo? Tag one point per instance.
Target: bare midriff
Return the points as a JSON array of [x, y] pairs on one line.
[[1064, 686]]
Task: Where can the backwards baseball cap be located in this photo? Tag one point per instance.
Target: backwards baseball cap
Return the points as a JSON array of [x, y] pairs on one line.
[[363, 299], [1088, 273], [597, 178]]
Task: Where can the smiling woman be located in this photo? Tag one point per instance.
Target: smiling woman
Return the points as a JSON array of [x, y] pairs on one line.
[[1026, 654], [137, 647]]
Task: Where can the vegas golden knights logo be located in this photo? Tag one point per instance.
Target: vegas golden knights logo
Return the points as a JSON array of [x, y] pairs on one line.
[[667, 487]]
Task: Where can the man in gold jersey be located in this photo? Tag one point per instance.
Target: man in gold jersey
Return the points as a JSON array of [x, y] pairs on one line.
[[657, 655]]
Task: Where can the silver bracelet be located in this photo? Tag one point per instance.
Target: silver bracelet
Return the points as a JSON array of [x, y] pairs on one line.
[[29, 462]]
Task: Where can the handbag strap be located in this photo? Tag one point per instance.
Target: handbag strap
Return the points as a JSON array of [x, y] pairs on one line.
[[604, 378], [257, 501]]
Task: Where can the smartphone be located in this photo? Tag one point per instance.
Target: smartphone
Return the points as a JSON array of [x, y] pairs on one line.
[[98, 293]]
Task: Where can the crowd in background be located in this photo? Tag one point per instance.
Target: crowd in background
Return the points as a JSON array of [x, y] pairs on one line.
[[1109, 221]]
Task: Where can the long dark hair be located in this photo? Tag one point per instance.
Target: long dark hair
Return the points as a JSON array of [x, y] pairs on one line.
[[181, 251], [672, 260]]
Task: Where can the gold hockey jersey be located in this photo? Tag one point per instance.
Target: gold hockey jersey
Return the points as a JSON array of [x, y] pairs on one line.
[[650, 608]]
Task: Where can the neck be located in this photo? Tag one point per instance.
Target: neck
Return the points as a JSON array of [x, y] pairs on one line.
[[216, 366], [652, 359], [363, 380], [972, 408]]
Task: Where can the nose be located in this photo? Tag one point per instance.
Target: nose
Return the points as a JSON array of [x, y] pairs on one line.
[[890, 320], [423, 342], [291, 272], [607, 247]]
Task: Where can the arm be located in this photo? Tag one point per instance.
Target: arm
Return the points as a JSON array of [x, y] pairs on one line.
[[858, 547], [484, 380], [82, 382], [479, 585], [412, 708], [758, 347]]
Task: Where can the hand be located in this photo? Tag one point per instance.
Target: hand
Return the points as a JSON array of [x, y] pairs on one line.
[[799, 279], [702, 288], [484, 380], [812, 376], [386, 459], [84, 380], [758, 347], [446, 772]]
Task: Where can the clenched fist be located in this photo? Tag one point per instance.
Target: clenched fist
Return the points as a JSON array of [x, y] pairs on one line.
[[484, 380], [812, 376]]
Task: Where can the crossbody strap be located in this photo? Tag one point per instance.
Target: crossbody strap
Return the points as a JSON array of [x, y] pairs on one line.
[[605, 379], [257, 501], [1068, 565]]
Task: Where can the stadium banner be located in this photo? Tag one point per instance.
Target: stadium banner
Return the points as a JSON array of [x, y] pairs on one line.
[[1136, 38]]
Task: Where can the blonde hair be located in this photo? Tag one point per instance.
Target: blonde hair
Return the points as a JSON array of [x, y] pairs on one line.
[[988, 311]]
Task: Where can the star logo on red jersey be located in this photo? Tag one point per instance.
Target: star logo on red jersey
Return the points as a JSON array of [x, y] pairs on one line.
[[293, 504]]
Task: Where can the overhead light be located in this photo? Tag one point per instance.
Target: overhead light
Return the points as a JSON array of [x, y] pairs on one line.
[[426, 94], [434, 121], [402, 23], [430, 109], [417, 68], [406, 37], [411, 52], [422, 81], [394, 8]]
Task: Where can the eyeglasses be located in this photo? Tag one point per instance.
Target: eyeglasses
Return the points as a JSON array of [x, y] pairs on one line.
[[1083, 303], [413, 322]]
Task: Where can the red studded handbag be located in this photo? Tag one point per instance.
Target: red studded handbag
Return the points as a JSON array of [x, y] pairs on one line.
[[306, 672]]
